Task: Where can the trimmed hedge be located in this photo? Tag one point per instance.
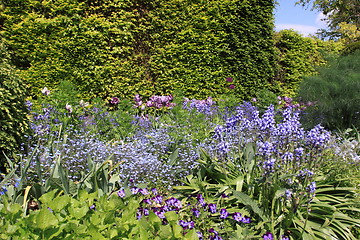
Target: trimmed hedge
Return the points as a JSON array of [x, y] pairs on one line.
[[120, 48], [13, 119], [298, 56]]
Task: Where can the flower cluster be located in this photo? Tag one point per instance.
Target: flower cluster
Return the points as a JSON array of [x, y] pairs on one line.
[[155, 101], [287, 102], [279, 137], [207, 106], [189, 211]]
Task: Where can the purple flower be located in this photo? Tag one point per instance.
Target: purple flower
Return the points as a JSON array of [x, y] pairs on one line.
[[246, 219], [196, 212], [134, 190], [160, 214], [268, 236], [147, 201], [283, 237], [154, 191], [229, 79], [232, 86], [223, 213], [212, 208], [237, 216], [157, 199], [114, 100], [201, 200], [144, 191], [93, 207], [211, 230], [183, 224], [121, 193], [146, 212], [312, 187]]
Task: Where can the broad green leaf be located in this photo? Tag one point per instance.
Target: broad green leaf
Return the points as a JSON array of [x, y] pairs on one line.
[[246, 200], [45, 219]]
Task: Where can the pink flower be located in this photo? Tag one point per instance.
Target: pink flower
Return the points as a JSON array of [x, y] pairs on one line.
[[232, 86], [229, 79], [45, 91], [114, 100], [69, 108]]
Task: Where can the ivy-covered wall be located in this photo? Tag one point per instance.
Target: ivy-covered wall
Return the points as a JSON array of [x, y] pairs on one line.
[[122, 47]]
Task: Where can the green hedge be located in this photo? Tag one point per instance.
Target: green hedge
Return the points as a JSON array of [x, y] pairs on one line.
[[120, 48], [13, 120], [298, 56]]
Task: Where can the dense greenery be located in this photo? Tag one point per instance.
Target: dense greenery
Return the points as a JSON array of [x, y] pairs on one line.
[[121, 48], [13, 120], [298, 56], [335, 91], [142, 160]]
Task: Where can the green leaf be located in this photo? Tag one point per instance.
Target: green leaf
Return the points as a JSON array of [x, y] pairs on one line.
[[247, 201], [45, 219]]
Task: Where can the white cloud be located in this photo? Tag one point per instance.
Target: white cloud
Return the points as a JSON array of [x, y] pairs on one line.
[[305, 30], [321, 20]]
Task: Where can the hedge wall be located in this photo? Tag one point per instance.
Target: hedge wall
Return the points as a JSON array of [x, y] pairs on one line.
[[123, 47], [298, 56]]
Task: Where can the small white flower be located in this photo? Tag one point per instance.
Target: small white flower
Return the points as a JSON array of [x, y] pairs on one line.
[[69, 108], [84, 104], [45, 91]]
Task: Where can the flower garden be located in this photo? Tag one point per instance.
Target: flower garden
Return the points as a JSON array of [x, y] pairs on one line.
[[169, 167]]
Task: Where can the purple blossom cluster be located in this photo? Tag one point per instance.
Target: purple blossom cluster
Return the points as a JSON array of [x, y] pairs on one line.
[[152, 201], [143, 155], [207, 106], [155, 101], [280, 140], [287, 102]]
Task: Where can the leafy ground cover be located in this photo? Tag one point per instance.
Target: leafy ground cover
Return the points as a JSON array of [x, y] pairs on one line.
[[171, 168]]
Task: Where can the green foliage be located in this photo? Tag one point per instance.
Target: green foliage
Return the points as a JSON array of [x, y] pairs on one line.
[[13, 120], [214, 40], [298, 56], [122, 48], [351, 48], [337, 12], [85, 217], [335, 92]]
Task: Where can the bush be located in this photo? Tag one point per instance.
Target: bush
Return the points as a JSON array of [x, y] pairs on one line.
[[298, 56], [13, 120], [335, 92], [121, 48]]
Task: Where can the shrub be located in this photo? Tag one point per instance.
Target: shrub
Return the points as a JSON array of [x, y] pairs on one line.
[[336, 93], [122, 48], [13, 120], [298, 56]]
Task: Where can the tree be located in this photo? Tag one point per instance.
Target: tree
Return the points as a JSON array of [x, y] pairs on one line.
[[337, 12]]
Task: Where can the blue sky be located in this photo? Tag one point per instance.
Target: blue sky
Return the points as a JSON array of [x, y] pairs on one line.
[[289, 16]]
